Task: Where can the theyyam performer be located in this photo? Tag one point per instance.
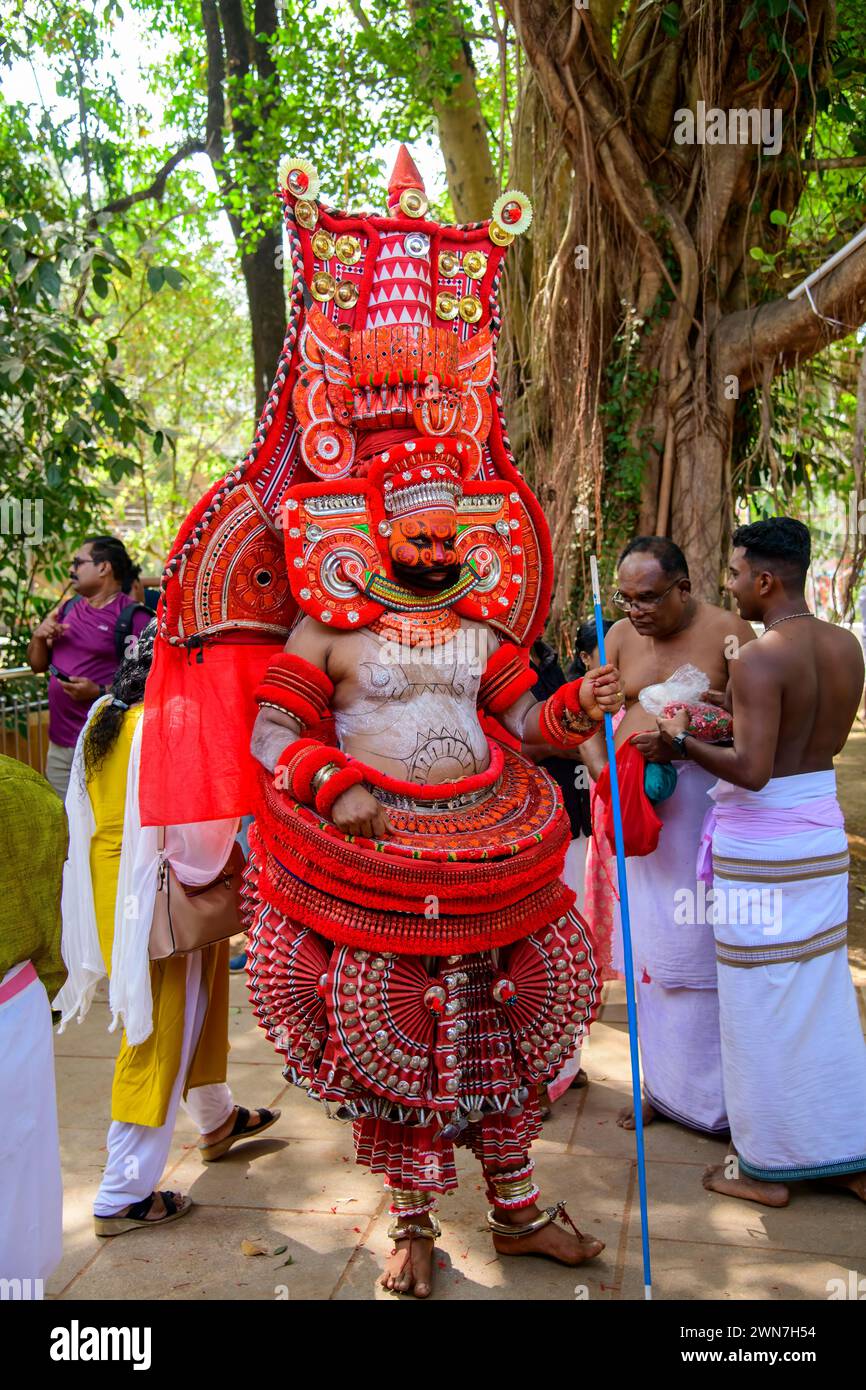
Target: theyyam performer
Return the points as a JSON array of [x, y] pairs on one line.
[[364, 590]]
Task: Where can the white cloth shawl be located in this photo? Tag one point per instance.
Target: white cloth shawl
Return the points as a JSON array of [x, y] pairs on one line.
[[129, 999], [197, 853]]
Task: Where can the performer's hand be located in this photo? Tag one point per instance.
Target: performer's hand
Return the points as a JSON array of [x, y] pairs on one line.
[[356, 812], [677, 724], [83, 691], [601, 692], [652, 747]]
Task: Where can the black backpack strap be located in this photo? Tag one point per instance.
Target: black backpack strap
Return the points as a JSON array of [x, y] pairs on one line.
[[123, 626], [70, 603]]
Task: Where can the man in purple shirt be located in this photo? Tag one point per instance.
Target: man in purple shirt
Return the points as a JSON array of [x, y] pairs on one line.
[[78, 644]]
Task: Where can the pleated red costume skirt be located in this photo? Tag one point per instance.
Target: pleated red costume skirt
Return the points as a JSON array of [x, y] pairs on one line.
[[422, 986]]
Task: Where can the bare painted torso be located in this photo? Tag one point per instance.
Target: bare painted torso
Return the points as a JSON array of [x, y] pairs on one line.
[[411, 713], [709, 642]]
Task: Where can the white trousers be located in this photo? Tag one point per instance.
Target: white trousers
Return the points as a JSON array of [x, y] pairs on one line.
[[137, 1154], [31, 1186]]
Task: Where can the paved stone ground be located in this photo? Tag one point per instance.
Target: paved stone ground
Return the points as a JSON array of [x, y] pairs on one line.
[[299, 1188]]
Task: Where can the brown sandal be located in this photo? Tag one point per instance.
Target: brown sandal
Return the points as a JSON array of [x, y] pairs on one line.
[[211, 1152], [136, 1218]]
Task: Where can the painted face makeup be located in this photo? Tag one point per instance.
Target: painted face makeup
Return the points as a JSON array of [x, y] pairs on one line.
[[424, 540]]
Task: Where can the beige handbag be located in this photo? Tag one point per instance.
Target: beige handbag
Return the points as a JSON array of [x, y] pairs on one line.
[[187, 919]]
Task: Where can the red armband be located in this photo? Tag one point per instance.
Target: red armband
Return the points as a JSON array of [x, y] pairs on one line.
[[298, 764], [507, 676], [298, 688], [334, 785], [563, 721]]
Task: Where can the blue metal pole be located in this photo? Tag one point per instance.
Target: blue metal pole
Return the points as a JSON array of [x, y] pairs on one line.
[[627, 948]]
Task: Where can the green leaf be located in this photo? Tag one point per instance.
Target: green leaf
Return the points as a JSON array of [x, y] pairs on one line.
[[26, 270], [12, 368], [155, 278], [100, 286], [779, 218], [173, 276], [158, 441], [49, 279], [757, 253]]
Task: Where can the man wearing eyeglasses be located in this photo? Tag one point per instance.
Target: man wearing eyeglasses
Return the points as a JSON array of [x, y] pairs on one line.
[[667, 627], [81, 643]]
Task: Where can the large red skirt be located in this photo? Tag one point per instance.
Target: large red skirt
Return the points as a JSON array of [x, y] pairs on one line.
[[425, 1030]]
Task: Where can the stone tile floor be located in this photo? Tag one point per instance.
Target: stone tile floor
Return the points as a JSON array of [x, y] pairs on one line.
[[298, 1188]]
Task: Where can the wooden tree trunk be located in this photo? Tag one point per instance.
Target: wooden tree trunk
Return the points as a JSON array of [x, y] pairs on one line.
[[472, 181], [631, 407], [264, 285], [233, 55]]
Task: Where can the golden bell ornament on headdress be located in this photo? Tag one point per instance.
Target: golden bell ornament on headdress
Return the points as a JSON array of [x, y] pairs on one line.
[[413, 203], [323, 286], [348, 249], [470, 309], [446, 306], [323, 245], [346, 294], [306, 214], [475, 264]]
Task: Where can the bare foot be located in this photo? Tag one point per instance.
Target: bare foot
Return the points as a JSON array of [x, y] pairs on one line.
[[852, 1182], [625, 1118], [769, 1194], [409, 1267], [553, 1241]]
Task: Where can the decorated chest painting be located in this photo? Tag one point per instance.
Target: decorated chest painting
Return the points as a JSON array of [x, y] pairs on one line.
[[385, 400]]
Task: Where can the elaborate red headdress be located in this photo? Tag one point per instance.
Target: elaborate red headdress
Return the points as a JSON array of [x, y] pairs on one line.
[[387, 374]]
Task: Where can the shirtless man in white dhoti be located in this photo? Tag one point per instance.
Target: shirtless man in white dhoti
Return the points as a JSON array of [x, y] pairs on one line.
[[793, 1053], [668, 627]]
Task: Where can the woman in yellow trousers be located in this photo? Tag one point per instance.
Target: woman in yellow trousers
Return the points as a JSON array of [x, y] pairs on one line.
[[175, 1011]]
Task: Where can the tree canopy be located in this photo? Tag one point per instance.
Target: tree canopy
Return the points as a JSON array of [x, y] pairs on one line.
[[656, 376]]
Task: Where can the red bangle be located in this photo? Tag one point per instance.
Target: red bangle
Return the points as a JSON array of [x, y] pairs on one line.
[[301, 761], [334, 786], [506, 677], [559, 731]]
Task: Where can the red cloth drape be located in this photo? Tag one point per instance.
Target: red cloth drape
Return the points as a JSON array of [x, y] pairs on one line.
[[198, 718], [640, 824]]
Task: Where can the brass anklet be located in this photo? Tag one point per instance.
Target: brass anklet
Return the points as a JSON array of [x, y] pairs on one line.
[[501, 1228], [431, 1232]]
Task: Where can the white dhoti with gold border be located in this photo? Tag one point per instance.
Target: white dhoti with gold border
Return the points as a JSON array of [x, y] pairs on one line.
[[793, 1052]]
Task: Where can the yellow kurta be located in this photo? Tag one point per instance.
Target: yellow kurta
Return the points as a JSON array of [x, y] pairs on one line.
[[144, 1075]]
